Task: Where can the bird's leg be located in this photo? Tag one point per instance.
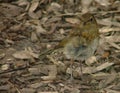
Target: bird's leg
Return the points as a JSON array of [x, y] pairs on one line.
[[71, 68], [81, 73]]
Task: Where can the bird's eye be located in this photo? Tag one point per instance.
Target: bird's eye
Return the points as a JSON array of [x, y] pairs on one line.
[[84, 23], [91, 19]]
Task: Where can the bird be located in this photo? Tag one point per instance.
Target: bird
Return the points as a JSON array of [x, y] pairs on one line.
[[82, 41]]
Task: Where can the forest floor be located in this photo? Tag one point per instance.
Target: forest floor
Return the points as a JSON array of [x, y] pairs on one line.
[[30, 27]]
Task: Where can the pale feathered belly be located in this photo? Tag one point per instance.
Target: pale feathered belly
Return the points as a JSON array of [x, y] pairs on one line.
[[82, 52]]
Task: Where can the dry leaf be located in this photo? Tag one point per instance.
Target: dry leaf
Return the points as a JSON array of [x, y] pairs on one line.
[[5, 67], [34, 37], [85, 70], [88, 70], [100, 75], [28, 90], [33, 15], [22, 55], [40, 29], [11, 10], [114, 38], [25, 54], [91, 60], [113, 44], [5, 87], [2, 26], [103, 66], [85, 5], [103, 2], [108, 29], [15, 27], [52, 73], [107, 81], [106, 54], [48, 77], [72, 20], [107, 22], [35, 85], [54, 7], [2, 55], [22, 2], [110, 91], [34, 5], [29, 49], [34, 70]]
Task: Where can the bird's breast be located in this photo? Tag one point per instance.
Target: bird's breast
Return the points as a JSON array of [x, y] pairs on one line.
[[80, 52]]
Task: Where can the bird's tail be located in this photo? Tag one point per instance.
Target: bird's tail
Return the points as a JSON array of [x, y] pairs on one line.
[[46, 52]]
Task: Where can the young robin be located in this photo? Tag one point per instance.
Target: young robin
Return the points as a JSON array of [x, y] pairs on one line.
[[82, 41]]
